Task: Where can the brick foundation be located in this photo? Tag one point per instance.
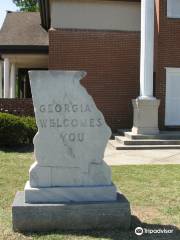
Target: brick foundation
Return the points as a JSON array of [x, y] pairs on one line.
[[22, 107], [111, 59]]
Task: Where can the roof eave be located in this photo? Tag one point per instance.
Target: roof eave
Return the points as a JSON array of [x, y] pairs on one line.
[[23, 49]]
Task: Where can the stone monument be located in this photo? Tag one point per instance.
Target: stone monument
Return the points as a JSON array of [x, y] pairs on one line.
[[69, 184]]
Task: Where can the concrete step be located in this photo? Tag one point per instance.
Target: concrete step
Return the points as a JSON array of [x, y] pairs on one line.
[[164, 135], [127, 141], [119, 146]]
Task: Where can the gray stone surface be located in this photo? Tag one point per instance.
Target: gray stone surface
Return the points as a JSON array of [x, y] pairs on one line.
[[70, 194], [76, 216], [71, 139]]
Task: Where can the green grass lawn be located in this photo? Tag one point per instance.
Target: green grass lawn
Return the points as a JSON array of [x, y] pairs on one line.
[[153, 191]]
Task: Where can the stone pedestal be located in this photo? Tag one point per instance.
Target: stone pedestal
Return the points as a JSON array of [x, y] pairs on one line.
[[70, 194], [145, 116], [28, 217]]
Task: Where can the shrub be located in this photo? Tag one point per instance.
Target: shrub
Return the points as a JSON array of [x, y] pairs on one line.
[[30, 128], [15, 130]]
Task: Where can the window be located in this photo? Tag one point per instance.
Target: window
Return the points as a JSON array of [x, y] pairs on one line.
[[172, 103], [173, 8]]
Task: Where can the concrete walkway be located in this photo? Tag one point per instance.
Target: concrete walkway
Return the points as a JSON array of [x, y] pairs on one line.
[[135, 157]]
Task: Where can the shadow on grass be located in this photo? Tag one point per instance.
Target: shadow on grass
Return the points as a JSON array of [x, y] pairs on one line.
[[18, 149], [116, 234]]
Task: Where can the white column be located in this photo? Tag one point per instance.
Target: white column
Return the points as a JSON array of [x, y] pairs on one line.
[[147, 49], [146, 105], [6, 78], [1, 79], [13, 81]]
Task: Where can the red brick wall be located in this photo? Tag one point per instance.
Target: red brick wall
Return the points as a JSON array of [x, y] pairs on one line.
[[111, 59], [22, 107], [168, 52]]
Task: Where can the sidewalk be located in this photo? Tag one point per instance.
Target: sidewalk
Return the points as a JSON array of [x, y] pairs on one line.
[[127, 157]]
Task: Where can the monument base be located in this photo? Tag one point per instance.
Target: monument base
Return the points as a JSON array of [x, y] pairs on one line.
[[145, 116], [70, 216], [70, 194]]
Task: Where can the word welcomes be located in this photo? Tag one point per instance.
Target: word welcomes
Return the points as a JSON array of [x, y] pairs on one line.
[[68, 119], [73, 123]]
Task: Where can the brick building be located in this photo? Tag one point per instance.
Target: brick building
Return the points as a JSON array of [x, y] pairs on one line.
[[103, 38]]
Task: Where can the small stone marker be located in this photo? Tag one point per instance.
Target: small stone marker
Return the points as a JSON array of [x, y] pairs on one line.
[[69, 174]]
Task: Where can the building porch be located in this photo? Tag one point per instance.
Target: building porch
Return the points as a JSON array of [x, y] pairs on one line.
[[14, 80]]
